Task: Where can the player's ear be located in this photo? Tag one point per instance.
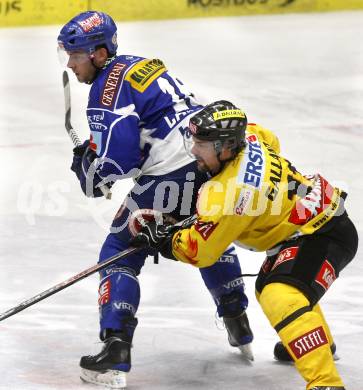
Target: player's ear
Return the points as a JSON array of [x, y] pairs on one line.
[[100, 56], [226, 153]]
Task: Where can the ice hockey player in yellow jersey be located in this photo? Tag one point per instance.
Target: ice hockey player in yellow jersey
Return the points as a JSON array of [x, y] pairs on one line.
[[257, 199]]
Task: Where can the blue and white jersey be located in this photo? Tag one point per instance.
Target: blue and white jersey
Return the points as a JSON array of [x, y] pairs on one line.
[[137, 113]]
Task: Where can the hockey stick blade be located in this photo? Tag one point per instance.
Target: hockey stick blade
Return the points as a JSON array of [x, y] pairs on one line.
[[71, 132], [61, 286]]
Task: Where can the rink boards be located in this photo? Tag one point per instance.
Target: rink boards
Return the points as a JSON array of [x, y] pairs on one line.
[[38, 12]]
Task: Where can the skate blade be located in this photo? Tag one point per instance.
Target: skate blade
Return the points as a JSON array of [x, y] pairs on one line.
[[112, 379], [246, 351]]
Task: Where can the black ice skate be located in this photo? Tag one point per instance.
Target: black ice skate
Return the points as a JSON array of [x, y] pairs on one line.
[[282, 355], [109, 367], [240, 334]]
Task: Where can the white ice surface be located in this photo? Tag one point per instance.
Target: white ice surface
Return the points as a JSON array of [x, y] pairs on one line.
[[300, 75]]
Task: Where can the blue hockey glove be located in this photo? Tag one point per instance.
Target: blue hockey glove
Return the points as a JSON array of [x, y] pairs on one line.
[[83, 157]]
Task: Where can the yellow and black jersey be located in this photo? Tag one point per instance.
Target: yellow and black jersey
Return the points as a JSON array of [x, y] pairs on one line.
[[257, 201]]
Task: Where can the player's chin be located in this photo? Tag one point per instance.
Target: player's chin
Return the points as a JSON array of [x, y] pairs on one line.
[[80, 78], [202, 167]]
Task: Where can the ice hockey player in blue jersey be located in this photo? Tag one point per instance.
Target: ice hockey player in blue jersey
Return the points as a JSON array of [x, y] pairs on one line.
[[137, 113]]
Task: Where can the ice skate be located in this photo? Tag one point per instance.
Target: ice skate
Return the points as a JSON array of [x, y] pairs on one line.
[[109, 367], [240, 334]]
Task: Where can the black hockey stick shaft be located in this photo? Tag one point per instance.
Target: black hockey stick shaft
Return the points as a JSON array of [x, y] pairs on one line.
[[68, 125], [74, 279], [84, 274]]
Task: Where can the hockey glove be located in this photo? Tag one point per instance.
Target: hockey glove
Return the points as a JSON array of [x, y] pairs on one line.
[[80, 149], [155, 236], [83, 157]]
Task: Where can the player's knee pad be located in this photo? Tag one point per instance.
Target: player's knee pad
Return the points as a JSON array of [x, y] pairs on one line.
[[317, 309], [282, 304], [119, 297], [113, 245]]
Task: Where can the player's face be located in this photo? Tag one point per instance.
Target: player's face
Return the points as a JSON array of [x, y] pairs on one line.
[[205, 155], [81, 64]]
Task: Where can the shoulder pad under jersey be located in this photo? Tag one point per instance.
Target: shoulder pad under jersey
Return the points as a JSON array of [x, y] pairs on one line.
[[144, 72], [264, 135], [109, 83]]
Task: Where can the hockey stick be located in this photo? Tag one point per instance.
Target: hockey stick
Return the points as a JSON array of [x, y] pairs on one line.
[[74, 279], [71, 132], [84, 274]]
